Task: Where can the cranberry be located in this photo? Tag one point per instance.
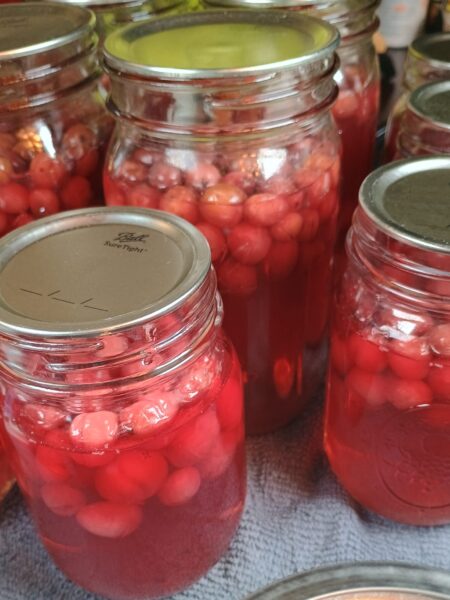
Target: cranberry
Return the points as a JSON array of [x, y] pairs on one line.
[[110, 520], [114, 196], [163, 176], [202, 176], [229, 404], [366, 354], [221, 205], [62, 499], [305, 177], [310, 225], [46, 172], [87, 164], [241, 179], [194, 442], [144, 196], [45, 417], [180, 487], [439, 340], [132, 477], [439, 380], [288, 228], [77, 193], [279, 184], [95, 429], [409, 359], [14, 198], [236, 278], [406, 393], [281, 260], [370, 386], [265, 209], [149, 414], [6, 170], [283, 377], [146, 157], [220, 456], [181, 201], [19, 221], [249, 244], [43, 202], [77, 141], [53, 464], [216, 240], [131, 171]]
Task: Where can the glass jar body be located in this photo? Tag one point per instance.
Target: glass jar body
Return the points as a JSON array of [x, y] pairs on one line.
[[51, 155], [420, 137], [145, 473], [387, 432], [6, 476], [267, 203]]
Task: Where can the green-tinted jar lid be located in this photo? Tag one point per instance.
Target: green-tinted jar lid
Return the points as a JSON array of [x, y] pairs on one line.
[[431, 102], [219, 44], [434, 49]]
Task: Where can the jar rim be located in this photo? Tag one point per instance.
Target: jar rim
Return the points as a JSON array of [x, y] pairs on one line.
[[104, 4], [404, 200], [433, 49], [148, 270], [331, 582], [431, 103], [64, 25], [325, 41]]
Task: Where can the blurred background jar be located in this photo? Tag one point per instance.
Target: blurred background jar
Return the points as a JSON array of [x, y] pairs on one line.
[[401, 21], [446, 15], [53, 123], [428, 59], [123, 413], [387, 424], [223, 118], [424, 127]]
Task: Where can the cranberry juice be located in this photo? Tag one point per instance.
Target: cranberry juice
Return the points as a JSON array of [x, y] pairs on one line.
[[141, 501], [271, 242], [388, 416]]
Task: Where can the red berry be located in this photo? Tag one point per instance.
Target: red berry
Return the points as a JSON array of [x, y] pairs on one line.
[[409, 359], [241, 179], [281, 260], [265, 209], [77, 141], [45, 417], [181, 201], [163, 176], [216, 240], [220, 456], [110, 520], [77, 193], [62, 499], [95, 429], [279, 184], [370, 386], [131, 171], [249, 244], [114, 196], [366, 354], [144, 196], [149, 414], [439, 380], [19, 221], [43, 202], [47, 172], [406, 393], [283, 377], [229, 404], [236, 279], [221, 205], [310, 225], [288, 228], [439, 339], [194, 442], [180, 487], [14, 198], [202, 176]]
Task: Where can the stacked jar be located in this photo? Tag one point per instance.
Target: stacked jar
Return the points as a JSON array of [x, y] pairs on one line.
[[122, 412], [356, 109], [387, 429], [236, 136], [424, 127], [53, 123], [428, 59]]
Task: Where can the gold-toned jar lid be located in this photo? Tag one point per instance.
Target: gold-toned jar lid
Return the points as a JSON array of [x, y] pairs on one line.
[[86, 272], [32, 28], [433, 48], [410, 201], [219, 44], [431, 102]]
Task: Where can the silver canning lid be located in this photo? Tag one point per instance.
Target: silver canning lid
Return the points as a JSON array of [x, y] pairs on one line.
[[124, 50], [362, 581], [154, 5], [30, 28], [410, 201], [85, 272], [339, 7], [431, 102], [434, 48]]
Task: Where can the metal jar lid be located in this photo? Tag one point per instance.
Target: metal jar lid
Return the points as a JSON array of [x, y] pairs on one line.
[[32, 28], [86, 272], [362, 581], [141, 49], [434, 49], [410, 201], [431, 102], [105, 5]]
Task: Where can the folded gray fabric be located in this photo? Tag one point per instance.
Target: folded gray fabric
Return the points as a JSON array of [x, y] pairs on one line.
[[296, 518]]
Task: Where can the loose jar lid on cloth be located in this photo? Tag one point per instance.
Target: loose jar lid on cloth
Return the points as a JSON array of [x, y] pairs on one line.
[[97, 270]]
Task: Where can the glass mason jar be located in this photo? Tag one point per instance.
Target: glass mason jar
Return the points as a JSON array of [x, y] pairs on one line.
[[53, 123], [122, 410], [358, 78], [424, 127], [362, 581], [428, 59], [236, 137], [387, 426]]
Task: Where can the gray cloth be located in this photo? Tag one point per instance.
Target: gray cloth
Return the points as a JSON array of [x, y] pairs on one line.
[[296, 518]]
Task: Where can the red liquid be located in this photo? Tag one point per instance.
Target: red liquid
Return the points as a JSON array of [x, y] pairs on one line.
[[272, 245], [388, 424], [151, 514], [6, 477]]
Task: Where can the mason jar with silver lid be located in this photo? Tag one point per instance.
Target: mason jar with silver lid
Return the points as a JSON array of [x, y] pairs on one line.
[[121, 398], [428, 60], [387, 430], [425, 125], [53, 123], [223, 117]]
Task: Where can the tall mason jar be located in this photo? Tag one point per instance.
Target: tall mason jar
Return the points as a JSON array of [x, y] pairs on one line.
[[387, 425], [121, 405], [424, 127], [53, 122], [235, 135], [428, 59], [358, 78]]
